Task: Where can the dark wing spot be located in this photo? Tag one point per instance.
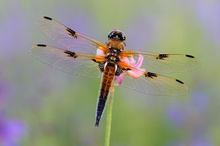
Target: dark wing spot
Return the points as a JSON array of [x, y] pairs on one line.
[[70, 54], [190, 56], [150, 74], [48, 18], [41, 45], [162, 56], [72, 32], [94, 60], [179, 81]]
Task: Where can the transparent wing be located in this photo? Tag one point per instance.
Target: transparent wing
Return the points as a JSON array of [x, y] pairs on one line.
[[148, 82], [68, 38], [67, 61], [155, 84], [164, 63]]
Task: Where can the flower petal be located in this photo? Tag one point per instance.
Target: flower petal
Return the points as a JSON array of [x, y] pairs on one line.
[[136, 72], [119, 79]]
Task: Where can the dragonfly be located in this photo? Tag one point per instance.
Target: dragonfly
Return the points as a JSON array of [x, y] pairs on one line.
[[110, 61]]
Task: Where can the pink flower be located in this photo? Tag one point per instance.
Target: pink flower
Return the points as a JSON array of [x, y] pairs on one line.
[[136, 71], [100, 52]]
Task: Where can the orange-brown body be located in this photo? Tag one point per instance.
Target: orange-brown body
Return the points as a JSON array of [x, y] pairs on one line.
[[115, 46], [107, 79]]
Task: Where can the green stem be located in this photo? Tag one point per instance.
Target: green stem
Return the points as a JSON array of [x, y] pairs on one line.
[[109, 116]]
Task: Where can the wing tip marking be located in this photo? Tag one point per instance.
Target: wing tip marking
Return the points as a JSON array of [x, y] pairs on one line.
[[41, 45], [48, 18], [190, 56], [179, 81]]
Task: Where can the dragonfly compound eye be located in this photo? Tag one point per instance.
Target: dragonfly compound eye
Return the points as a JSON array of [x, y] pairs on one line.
[[117, 35]]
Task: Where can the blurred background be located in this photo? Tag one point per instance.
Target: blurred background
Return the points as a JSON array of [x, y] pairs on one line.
[[42, 106]]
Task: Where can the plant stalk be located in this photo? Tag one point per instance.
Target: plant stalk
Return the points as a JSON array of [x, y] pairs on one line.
[[109, 115]]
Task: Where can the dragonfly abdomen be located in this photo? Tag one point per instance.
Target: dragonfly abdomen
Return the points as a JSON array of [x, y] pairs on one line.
[[107, 78]]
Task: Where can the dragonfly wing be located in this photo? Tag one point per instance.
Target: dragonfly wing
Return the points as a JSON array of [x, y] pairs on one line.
[[152, 83], [67, 61], [69, 38], [165, 63]]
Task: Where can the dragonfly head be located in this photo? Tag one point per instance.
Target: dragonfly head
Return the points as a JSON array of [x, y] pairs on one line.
[[116, 35]]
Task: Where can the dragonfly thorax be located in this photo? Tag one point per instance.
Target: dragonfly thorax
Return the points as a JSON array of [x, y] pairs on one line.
[[113, 56], [120, 45]]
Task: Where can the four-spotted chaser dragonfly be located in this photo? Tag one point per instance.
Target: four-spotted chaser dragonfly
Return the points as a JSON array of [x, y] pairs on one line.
[[133, 69]]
